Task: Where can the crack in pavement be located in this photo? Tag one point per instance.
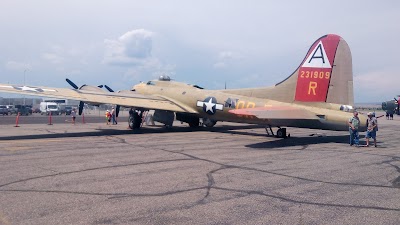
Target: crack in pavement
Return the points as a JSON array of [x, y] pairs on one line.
[[396, 181], [116, 139], [110, 195], [277, 174], [91, 169], [307, 202], [211, 183]]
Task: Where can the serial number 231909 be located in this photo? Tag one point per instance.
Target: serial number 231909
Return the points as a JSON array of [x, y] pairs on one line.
[[315, 74]]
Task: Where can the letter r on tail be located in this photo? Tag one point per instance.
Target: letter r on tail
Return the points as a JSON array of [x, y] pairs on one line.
[[311, 87]]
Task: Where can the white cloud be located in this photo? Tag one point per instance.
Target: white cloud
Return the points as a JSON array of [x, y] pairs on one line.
[[377, 86], [52, 58], [17, 66], [226, 55], [133, 47], [219, 65], [149, 69], [134, 51], [225, 58]]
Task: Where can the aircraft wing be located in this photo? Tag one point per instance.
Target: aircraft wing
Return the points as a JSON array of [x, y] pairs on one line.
[[128, 99], [276, 112]]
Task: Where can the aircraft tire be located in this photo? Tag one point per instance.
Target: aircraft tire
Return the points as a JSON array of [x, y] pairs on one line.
[[281, 133], [130, 122], [135, 121]]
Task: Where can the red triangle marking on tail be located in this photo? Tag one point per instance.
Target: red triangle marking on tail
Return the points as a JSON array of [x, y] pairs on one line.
[[316, 70]]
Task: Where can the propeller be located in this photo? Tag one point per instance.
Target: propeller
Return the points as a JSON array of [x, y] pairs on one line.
[[81, 104], [118, 106], [72, 83], [108, 88]]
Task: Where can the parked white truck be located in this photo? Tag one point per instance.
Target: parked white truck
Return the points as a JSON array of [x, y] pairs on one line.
[[47, 107]]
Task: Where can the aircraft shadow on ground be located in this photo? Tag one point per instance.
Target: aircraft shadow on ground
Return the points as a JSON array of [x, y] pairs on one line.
[[237, 130], [300, 141], [158, 129]]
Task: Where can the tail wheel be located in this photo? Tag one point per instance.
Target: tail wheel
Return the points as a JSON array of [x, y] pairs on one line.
[[281, 133]]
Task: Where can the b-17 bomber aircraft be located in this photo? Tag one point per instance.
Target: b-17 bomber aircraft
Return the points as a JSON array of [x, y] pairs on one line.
[[318, 95]]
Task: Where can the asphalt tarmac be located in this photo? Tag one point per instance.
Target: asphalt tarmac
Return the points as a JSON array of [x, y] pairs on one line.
[[36, 118], [231, 174]]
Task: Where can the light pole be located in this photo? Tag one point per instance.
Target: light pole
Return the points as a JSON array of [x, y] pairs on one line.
[[24, 84]]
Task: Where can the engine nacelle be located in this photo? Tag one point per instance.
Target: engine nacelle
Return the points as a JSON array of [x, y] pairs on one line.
[[191, 119], [165, 117], [389, 105]]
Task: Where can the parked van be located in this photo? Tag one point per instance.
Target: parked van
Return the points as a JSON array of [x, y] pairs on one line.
[[49, 107]]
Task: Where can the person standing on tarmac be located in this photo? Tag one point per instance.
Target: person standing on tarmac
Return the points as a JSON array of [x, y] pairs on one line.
[[114, 121], [354, 123], [372, 127], [73, 115]]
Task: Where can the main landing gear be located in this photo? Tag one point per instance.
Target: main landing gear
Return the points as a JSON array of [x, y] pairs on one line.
[[280, 133], [135, 119]]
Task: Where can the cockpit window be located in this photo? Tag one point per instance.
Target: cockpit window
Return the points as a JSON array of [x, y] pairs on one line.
[[231, 103], [151, 83]]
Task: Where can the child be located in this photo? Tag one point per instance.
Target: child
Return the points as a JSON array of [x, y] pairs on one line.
[[108, 117]]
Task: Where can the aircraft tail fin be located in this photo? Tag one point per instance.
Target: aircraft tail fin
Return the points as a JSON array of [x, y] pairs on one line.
[[325, 75]]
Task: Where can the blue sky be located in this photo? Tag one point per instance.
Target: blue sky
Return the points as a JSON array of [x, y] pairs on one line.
[[245, 43]]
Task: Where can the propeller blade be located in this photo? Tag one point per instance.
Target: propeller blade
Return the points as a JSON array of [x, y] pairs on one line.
[[72, 84], [117, 110], [118, 106], [100, 86], [108, 88], [81, 104]]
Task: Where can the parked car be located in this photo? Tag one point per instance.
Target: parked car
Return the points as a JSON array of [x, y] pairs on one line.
[[29, 110], [22, 110], [11, 109], [36, 110], [68, 110], [3, 110]]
